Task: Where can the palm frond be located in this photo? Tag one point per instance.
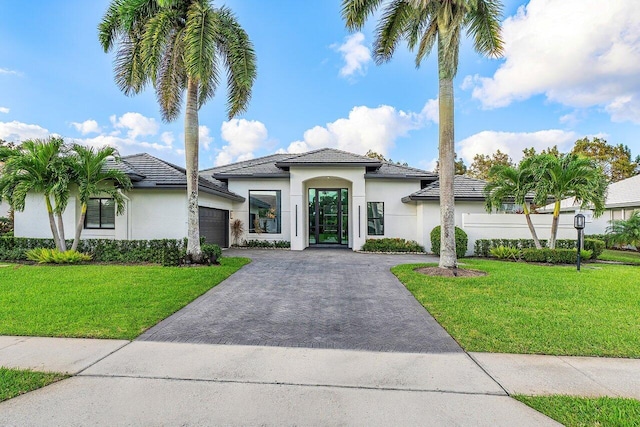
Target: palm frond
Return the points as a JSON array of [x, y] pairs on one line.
[[156, 39], [393, 26], [199, 41], [129, 67], [172, 78], [356, 12], [110, 27], [240, 60], [483, 24]]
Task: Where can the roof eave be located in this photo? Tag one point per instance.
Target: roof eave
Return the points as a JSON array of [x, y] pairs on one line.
[[324, 164], [256, 175]]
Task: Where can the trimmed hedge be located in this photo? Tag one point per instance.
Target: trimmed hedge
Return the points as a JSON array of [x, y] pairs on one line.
[[483, 247], [461, 241], [391, 245], [264, 244], [168, 252], [606, 238], [555, 256]]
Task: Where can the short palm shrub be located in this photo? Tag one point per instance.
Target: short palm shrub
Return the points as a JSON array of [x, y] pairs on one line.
[[625, 232], [555, 256], [54, 256], [505, 252], [388, 244], [461, 241]]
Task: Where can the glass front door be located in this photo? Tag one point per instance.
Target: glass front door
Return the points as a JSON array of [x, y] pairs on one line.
[[328, 216]]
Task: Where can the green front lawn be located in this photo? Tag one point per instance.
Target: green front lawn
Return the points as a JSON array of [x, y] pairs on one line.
[[535, 309], [99, 301], [627, 257], [582, 412], [14, 382]]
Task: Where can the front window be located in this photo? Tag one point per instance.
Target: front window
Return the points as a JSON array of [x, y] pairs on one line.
[[264, 211], [375, 218], [101, 213]]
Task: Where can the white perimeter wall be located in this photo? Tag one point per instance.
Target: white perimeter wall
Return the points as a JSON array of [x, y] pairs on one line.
[[400, 219], [34, 221], [4, 210], [240, 210], [429, 217]]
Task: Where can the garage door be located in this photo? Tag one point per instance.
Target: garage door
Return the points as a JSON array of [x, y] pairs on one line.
[[214, 226]]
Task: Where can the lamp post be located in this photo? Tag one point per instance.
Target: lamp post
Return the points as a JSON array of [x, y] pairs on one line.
[[578, 223]]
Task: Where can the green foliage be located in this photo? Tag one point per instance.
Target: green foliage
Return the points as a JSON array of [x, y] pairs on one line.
[[595, 246], [6, 225], [277, 244], [555, 256], [573, 411], [505, 252], [388, 244], [211, 252], [625, 232], [14, 382], [168, 252], [483, 247], [606, 238], [54, 256], [461, 241]]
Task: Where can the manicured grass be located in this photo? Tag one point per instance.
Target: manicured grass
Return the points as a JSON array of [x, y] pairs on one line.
[[14, 382], [536, 309], [627, 257], [586, 412], [99, 301]]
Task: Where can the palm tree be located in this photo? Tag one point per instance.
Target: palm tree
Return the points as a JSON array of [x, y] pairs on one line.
[[569, 176], [626, 232], [38, 166], [509, 183], [424, 24], [93, 177], [180, 46]]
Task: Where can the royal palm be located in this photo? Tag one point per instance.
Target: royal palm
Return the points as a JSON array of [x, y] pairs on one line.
[[424, 24], [180, 47]]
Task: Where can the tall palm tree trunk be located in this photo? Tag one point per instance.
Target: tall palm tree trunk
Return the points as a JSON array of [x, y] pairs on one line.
[[52, 223], [447, 174], [63, 241], [532, 229], [79, 225], [191, 153], [554, 224]]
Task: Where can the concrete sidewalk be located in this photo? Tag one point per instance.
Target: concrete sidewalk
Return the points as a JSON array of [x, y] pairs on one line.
[[153, 383]]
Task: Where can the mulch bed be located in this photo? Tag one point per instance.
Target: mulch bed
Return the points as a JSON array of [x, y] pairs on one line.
[[453, 272]]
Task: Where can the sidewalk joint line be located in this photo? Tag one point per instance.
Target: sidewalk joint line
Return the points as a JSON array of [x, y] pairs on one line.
[[101, 359], [487, 372]]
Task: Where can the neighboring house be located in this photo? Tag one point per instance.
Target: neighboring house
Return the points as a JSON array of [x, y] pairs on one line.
[[325, 197], [623, 198]]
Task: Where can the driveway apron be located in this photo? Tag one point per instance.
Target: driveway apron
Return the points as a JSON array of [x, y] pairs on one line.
[[317, 298]]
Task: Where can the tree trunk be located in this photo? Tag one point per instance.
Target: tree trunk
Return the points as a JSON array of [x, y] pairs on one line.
[[191, 145], [532, 229], [63, 241], [554, 224], [76, 238], [52, 223], [447, 174]]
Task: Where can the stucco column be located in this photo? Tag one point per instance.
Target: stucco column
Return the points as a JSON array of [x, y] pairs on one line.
[[359, 212], [297, 222]]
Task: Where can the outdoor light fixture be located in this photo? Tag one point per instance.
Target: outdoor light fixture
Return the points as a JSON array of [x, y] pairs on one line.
[[578, 223]]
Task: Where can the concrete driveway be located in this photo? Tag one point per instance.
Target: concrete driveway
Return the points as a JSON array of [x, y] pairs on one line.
[[317, 298]]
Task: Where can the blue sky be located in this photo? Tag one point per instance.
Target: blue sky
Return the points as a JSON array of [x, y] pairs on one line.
[[565, 75]]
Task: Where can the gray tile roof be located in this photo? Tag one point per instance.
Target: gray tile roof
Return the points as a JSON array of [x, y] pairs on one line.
[[151, 172], [328, 156], [464, 188], [276, 165]]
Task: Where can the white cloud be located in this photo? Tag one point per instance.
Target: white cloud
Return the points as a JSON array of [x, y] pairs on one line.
[[203, 136], [512, 143], [4, 110], [365, 129], [580, 53], [355, 54], [86, 127], [17, 131], [243, 137], [8, 71], [167, 138], [124, 145], [136, 123]]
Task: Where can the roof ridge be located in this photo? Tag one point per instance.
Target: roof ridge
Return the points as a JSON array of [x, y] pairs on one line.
[[233, 166]]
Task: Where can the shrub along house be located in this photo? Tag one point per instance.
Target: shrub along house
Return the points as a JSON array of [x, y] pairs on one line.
[[320, 198]]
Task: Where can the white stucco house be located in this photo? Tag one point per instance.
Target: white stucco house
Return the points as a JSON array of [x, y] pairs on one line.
[[623, 199], [325, 197]]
